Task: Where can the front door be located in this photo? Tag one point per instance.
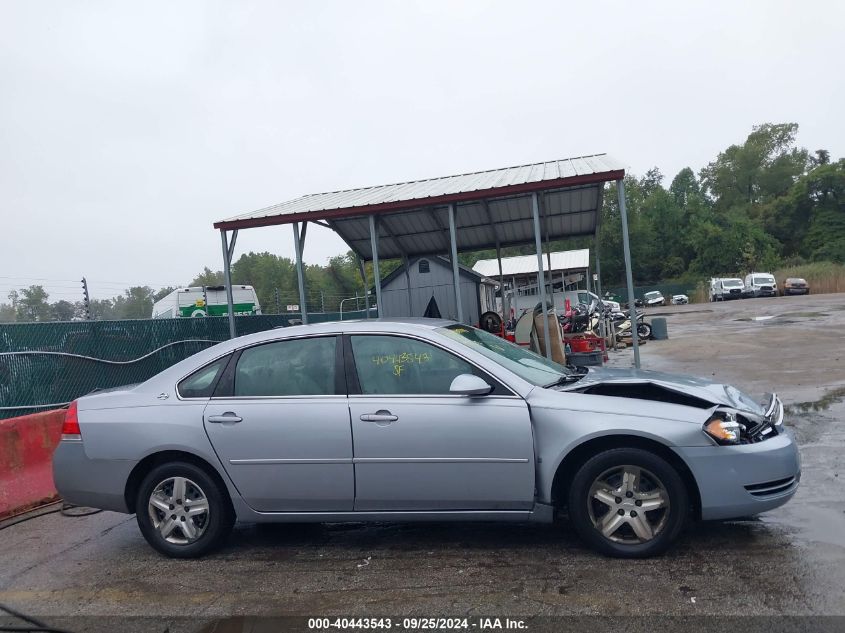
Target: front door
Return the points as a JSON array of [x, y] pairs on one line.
[[281, 427], [418, 447]]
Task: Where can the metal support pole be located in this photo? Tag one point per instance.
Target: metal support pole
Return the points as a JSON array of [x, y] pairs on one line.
[[376, 274], [227, 276], [300, 274], [366, 290], [626, 247], [232, 244], [501, 282], [407, 266], [541, 276], [587, 273], [598, 271], [453, 243]]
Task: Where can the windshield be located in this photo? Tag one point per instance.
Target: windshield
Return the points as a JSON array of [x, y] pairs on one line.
[[732, 283], [524, 363], [763, 280], [652, 295]]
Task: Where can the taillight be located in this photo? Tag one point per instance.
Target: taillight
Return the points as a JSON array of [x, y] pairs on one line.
[[70, 428]]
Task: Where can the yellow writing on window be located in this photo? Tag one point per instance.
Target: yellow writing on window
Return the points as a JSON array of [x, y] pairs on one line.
[[401, 359]]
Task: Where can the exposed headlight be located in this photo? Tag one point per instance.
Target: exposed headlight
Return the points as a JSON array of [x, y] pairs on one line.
[[723, 428]]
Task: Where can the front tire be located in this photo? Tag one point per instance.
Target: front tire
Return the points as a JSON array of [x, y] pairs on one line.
[[628, 503], [182, 511], [644, 330]]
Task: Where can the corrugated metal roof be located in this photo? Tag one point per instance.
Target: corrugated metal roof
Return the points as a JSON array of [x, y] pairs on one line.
[[490, 207], [527, 264], [421, 190]]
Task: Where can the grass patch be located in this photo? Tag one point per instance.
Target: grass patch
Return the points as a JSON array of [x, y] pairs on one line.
[[821, 404], [823, 277]]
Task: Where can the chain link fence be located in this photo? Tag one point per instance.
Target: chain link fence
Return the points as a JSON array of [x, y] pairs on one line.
[[46, 365]]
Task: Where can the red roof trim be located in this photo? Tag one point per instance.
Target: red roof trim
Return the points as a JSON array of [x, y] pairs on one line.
[[345, 212]]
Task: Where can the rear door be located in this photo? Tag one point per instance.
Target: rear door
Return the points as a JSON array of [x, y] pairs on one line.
[[419, 447], [279, 423]]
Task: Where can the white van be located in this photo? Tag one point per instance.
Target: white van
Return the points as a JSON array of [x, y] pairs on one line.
[[760, 285], [199, 301], [724, 289]]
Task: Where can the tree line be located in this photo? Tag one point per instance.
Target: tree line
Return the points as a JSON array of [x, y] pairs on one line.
[[759, 205]]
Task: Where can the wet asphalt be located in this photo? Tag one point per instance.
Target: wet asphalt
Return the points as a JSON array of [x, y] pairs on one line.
[[788, 562]]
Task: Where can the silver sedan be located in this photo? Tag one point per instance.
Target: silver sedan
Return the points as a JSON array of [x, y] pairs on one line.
[[420, 420]]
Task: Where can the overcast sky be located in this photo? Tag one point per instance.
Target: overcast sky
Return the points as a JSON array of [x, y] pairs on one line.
[[128, 128]]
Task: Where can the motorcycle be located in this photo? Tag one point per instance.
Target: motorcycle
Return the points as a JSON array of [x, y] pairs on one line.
[[622, 324], [577, 319]]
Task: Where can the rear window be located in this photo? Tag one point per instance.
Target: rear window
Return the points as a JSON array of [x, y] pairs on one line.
[[201, 383]]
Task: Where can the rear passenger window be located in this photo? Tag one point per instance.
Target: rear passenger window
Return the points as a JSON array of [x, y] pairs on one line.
[[201, 383], [298, 367]]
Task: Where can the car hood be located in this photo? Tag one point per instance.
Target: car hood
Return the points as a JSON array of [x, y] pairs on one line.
[[707, 390]]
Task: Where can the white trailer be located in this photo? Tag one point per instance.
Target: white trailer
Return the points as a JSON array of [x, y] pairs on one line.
[[200, 301]]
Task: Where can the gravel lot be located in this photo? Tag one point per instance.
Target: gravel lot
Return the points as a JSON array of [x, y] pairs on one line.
[[787, 562]]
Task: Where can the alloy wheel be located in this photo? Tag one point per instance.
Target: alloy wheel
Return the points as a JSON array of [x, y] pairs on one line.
[[179, 510], [628, 504]]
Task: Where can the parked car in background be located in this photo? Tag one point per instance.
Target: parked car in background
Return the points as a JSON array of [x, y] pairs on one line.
[[654, 298], [679, 300], [796, 286], [760, 285], [420, 420], [722, 289]]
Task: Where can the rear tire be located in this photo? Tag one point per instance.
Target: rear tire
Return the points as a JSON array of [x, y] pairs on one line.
[[182, 511], [628, 503]]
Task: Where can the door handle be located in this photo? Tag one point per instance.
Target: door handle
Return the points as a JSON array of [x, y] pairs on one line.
[[227, 417], [379, 416]]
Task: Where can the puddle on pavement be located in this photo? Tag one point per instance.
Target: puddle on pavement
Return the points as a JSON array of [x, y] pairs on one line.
[[798, 315], [806, 315], [823, 525]]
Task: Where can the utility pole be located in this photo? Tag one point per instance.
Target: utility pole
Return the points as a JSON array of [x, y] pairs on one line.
[[322, 302], [278, 301], [86, 300]]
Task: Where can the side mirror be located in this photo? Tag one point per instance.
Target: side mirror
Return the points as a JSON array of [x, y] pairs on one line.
[[469, 385]]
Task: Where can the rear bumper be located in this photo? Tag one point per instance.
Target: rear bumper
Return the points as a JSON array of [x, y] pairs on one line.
[[95, 483], [741, 481]]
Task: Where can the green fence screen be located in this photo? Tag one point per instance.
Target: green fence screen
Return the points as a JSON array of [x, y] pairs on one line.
[[46, 365]]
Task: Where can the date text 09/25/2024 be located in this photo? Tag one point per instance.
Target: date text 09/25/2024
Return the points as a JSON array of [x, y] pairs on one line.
[[417, 624]]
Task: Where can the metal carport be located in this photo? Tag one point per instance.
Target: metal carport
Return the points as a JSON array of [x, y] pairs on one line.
[[451, 214]]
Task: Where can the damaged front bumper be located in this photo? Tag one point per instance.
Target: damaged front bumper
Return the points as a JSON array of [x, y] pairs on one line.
[[760, 474]]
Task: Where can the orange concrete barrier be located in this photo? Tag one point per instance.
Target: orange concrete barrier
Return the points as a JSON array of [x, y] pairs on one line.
[[26, 454]]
